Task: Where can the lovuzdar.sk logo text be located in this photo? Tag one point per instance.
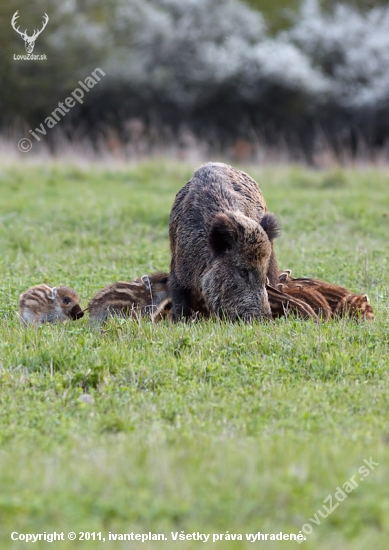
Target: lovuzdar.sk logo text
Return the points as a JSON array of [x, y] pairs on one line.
[[29, 41]]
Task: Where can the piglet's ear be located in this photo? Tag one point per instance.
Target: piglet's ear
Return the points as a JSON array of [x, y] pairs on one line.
[[365, 298], [146, 281], [54, 293], [271, 226], [223, 234]]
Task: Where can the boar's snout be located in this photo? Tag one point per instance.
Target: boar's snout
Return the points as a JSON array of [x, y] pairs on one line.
[[76, 313], [264, 305], [259, 310]]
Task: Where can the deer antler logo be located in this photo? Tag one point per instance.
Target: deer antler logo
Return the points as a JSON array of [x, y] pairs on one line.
[[29, 40]]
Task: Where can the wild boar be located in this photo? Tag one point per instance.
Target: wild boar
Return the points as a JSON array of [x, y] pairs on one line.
[[45, 304], [342, 302], [221, 240], [136, 298], [356, 306]]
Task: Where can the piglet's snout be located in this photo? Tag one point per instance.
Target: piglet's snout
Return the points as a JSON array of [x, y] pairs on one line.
[[76, 312]]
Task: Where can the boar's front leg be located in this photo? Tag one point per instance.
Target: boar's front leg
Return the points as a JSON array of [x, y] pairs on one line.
[[180, 299]]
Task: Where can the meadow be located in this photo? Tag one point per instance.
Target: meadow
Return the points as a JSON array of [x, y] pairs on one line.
[[203, 427]]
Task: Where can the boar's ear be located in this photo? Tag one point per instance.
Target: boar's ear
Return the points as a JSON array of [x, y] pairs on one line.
[[222, 234], [271, 226]]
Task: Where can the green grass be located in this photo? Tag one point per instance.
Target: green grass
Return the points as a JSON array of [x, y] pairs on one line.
[[208, 427]]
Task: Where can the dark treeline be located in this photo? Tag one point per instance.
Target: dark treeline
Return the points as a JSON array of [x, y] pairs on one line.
[[215, 68]]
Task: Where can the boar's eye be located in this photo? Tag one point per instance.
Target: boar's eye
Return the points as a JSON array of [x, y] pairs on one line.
[[244, 274], [66, 300]]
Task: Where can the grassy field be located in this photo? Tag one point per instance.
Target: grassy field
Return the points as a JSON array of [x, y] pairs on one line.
[[212, 428]]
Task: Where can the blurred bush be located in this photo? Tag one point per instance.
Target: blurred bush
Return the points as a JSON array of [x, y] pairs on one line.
[[276, 13], [208, 65]]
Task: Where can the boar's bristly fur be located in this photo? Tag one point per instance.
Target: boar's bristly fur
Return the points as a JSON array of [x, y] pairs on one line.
[[221, 240]]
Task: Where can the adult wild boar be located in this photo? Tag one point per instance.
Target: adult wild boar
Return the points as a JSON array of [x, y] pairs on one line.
[[221, 244]]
